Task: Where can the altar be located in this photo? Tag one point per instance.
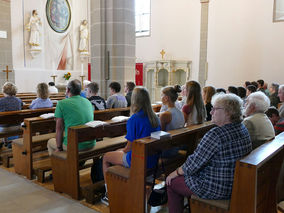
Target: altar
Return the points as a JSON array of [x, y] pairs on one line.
[[161, 73]]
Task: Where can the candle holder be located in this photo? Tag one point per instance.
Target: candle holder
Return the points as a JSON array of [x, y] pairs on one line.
[[82, 78], [53, 77]]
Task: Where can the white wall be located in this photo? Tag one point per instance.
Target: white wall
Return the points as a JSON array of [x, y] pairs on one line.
[[243, 42], [175, 27]]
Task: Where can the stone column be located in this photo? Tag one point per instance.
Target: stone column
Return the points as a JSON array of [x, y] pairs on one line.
[[5, 43], [112, 42], [202, 75]]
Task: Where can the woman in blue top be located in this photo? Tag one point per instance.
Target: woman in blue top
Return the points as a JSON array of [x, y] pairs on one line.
[[42, 101], [141, 124]]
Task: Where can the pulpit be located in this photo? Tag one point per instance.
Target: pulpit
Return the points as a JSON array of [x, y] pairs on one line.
[[161, 73]]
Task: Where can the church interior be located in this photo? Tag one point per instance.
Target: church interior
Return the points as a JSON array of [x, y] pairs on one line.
[[154, 43]]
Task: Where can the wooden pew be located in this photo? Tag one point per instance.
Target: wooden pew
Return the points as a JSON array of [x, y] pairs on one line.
[[254, 187], [23, 163], [65, 165], [132, 182], [24, 148], [17, 117]]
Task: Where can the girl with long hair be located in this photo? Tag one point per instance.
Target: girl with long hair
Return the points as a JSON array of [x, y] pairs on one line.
[[142, 123], [193, 110]]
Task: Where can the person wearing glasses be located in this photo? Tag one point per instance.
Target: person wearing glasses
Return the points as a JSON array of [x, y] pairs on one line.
[[209, 172]]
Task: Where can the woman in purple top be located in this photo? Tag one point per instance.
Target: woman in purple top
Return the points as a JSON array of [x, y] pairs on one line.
[[42, 101], [10, 102]]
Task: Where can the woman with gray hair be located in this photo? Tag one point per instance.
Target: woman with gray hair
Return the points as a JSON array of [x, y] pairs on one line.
[[258, 124], [9, 103], [209, 171]]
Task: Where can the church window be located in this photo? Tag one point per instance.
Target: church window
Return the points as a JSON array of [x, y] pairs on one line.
[[142, 17], [278, 13]]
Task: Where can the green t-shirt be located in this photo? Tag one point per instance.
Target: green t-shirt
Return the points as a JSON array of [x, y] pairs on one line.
[[75, 111]]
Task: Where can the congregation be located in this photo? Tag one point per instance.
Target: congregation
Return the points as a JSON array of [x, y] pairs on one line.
[[245, 117]]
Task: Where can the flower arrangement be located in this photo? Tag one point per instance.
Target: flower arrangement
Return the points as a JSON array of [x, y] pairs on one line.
[[67, 76]]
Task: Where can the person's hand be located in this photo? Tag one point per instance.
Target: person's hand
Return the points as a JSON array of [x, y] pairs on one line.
[[170, 177]]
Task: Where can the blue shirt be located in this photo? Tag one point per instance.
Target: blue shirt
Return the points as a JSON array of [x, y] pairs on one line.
[[10, 103], [41, 103], [138, 126], [209, 171]]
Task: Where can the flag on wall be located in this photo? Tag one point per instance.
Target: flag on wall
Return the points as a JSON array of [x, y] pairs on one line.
[[139, 74]]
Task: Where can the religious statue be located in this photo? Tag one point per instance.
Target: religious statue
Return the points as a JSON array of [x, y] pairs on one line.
[[84, 37], [34, 27]]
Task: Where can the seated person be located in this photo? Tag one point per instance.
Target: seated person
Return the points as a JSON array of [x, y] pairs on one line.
[[129, 87], [273, 91], [207, 95], [194, 111], [115, 100], [183, 95], [92, 95], [250, 89], [173, 117], [72, 111], [141, 124], [51, 88], [42, 101], [209, 171], [219, 90], [277, 122], [9, 103], [232, 89], [84, 91], [258, 124], [178, 104]]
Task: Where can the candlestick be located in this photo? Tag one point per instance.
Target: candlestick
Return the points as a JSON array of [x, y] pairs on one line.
[[53, 77], [82, 78]]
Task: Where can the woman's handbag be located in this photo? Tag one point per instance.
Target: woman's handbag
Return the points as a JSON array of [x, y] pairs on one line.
[[158, 197]]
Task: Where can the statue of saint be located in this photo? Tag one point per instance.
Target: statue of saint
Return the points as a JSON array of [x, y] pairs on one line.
[[84, 37], [34, 27]]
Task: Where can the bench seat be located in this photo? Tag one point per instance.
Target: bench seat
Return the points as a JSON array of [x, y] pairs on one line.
[[101, 147], [222, 204]]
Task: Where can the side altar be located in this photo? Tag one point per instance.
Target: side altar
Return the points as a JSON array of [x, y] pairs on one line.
[[161, 73]]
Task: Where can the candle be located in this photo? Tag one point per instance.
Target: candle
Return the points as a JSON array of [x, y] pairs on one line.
[[82, 69]]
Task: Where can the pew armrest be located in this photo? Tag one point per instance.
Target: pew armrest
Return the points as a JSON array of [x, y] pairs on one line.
[[119, 171], [223, 204]]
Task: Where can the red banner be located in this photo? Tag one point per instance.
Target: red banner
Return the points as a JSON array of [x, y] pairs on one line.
[[139, 74], [89, 71]]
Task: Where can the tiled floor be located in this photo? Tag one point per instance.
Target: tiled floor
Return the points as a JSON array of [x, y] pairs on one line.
[[20, 195]]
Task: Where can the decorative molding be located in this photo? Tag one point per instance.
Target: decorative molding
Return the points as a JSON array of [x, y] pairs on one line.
[[204, 1]]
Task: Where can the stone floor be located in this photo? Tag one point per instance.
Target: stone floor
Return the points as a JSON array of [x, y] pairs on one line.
[[21, 195]]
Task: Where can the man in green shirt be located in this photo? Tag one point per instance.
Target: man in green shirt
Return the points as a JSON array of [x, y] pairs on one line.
[[72, 111]]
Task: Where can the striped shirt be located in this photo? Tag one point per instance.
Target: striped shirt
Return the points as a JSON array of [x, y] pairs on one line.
[[279, 126], [209, 171]]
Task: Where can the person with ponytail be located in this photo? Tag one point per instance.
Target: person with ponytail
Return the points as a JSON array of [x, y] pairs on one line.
[[193, 110], [173, 117], [142, 123]]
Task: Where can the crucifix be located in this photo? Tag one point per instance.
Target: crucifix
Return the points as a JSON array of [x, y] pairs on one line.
[[7, 73], [162, 53]]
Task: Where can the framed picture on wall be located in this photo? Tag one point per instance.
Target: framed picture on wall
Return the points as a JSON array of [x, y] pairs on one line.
[[278, 11], [58, 14]]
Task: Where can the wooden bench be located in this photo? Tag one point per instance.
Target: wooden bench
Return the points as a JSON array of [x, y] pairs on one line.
[[65, 165], [23, 148], [254, 187], [127, 186], [16, 118]]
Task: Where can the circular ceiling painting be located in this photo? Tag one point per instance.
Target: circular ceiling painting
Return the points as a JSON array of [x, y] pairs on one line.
[[58, 14]]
